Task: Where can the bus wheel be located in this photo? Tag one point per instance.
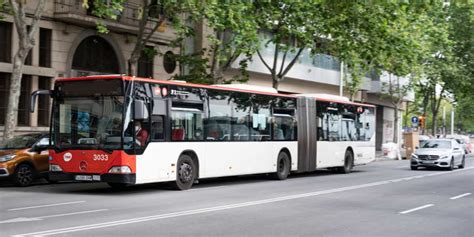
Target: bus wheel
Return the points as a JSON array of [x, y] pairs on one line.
[[283, 166], [185, 173], [348, 163]]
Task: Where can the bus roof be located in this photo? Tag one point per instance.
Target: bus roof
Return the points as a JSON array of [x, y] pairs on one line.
[[318, 97]]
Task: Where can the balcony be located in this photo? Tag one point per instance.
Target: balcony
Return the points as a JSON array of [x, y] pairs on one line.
[[71, 11], [320, 68], [380, 85]]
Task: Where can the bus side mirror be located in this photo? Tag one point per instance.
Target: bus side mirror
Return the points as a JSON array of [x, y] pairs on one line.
[[141, 111], [33, 98]]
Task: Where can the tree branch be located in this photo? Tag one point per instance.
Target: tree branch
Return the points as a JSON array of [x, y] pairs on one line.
[[263, 61], [292, 62]]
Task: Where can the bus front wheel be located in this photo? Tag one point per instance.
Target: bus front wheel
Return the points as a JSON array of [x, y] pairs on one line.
[[348, 163], [185, 173], [283, 166]]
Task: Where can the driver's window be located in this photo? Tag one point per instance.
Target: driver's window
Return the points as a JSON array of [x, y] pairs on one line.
[[43, 142]]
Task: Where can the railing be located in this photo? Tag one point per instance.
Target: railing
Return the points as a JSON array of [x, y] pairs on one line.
[[129, 15]]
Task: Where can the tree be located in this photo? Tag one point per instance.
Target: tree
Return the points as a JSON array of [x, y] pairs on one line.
[[289, 27], [26, 30], [151, 16]]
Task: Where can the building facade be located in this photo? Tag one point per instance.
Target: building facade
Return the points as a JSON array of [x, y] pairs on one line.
[[68, 44]]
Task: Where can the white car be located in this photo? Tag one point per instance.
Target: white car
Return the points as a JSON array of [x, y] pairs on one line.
[[439, 153]]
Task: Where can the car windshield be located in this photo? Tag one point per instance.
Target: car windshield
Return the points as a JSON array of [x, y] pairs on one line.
[[20, 142], [437, 144]]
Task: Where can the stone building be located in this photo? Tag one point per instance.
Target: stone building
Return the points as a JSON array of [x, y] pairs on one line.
[[68, 45]]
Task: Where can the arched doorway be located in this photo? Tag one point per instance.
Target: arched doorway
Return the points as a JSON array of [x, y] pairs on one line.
[[93, 56]]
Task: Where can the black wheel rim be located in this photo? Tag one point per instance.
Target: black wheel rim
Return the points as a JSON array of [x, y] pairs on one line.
[[185, 173], [25, 175], [281, 166]]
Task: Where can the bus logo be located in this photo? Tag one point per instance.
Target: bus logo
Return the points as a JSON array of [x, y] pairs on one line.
[[67, 157], [83, 166]]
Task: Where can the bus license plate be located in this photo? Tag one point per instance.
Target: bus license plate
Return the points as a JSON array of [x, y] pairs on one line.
[[88, 177]]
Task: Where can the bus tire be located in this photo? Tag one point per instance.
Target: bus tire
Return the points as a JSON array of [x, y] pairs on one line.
[[186, 173], [283, 166], [348, 163]]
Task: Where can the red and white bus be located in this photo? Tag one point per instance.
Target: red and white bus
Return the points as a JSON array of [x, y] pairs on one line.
[[125, 130]]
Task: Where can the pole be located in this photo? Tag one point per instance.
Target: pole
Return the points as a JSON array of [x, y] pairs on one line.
[[341, 80], [452, 121], [444, 121]]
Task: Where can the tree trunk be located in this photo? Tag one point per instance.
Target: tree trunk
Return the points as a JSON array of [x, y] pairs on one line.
[[434, 126], [275, 83], [395, 125], [133, 66], [14, 94]]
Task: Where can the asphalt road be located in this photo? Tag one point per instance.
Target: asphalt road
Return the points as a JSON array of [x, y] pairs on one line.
[[384, 198]]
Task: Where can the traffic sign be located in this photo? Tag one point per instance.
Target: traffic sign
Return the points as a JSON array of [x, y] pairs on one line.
[[414, 120]]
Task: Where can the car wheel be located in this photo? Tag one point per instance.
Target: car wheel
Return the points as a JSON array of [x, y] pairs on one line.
[[463, 163], [186, 173], [413, 167], [283, 166], [24, 175], [451, 164]]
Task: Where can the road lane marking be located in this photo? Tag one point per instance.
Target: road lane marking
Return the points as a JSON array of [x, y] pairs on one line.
[[417, 208], [47, 205], [40, 218], [460, 196], [227, 207]]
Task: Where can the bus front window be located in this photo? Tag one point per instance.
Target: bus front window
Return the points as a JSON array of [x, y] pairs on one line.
[[89, 122]]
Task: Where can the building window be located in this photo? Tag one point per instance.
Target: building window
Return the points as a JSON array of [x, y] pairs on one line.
[[24, 104], [44, 83], [169, 62], [4, 88], [145, 62], [45, 48], [29, 57], [5, 42], [94, 54]]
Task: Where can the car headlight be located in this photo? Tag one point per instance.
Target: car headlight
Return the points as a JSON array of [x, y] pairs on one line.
[[7, 157], [444, 157], [414, 156]]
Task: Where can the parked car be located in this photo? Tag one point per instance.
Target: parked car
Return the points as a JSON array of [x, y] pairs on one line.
[[440, 153], [463, 140], [24, 158]]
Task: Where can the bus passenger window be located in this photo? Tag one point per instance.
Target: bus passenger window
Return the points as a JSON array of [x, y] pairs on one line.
[[157, 128]]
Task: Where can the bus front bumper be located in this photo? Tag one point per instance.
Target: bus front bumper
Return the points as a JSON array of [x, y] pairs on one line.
[[109, 178]]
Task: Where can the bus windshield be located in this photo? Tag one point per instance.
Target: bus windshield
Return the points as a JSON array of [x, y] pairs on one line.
[[88, 119]]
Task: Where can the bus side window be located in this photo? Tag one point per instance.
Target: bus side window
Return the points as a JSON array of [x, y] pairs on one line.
[[157, 127]]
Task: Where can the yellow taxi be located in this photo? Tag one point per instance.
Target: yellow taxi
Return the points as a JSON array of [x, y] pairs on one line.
[[24, 158]]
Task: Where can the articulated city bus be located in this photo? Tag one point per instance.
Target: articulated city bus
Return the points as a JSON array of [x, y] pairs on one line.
[[125, 130]]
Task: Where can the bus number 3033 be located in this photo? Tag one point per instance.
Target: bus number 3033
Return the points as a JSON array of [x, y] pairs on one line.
[[100, 157]]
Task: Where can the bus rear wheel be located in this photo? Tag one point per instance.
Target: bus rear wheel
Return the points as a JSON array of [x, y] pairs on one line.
[[185, 173], [348, 163], [283, 166]]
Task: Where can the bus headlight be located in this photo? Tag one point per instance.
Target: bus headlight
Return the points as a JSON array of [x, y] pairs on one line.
[[120, 170], [55, 168]]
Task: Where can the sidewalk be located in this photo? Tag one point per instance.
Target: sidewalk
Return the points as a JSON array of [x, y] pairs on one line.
[[379, 156]]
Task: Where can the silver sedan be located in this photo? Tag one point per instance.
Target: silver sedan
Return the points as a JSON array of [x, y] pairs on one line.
[[440, 153]]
